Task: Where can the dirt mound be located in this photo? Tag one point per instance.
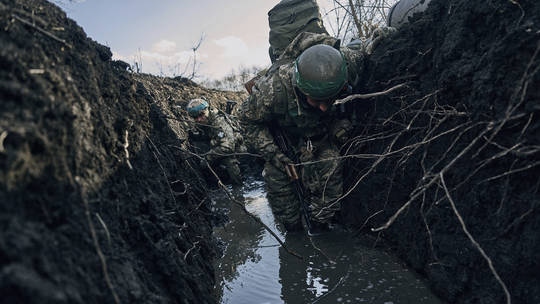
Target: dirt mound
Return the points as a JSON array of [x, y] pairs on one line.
[[447, 167], [99, 201]]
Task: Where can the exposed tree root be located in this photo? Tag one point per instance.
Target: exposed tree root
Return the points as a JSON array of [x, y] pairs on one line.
[[475, 243]]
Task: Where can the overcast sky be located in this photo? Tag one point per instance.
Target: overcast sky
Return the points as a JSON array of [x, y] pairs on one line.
[[161, 33]]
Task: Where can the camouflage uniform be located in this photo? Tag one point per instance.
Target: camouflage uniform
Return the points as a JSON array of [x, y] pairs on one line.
[[225, 139], [314, 136]]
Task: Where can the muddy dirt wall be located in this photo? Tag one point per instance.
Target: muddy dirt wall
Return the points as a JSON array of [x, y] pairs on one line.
[[99, 202], [447, 167]]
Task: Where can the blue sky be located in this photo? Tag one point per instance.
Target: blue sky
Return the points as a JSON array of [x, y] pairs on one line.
[[161, 33]]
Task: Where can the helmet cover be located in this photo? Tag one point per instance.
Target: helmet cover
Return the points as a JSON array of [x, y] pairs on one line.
[[195, 107]]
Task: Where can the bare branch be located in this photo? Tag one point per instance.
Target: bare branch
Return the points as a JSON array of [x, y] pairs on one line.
[[475, 243], [369, 95]]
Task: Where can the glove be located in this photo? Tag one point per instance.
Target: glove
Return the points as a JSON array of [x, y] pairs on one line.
[[305, 154], [342, 131], [378, 35]]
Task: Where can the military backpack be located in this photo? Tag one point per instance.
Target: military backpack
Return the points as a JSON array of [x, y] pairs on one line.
[[289, 18]]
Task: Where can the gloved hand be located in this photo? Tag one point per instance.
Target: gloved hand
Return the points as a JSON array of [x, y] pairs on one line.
[[281, 160], [341, 131], [378, 35], [306, 154]]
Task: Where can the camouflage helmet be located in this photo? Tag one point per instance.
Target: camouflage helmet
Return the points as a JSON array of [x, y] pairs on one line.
[[196, 107], [320, 72]]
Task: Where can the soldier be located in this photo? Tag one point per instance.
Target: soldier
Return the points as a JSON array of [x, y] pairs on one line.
[[294, 101], [222, 134]]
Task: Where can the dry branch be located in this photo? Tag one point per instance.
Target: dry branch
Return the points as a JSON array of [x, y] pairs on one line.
[[475, 243], [369, 95], [422, 189]]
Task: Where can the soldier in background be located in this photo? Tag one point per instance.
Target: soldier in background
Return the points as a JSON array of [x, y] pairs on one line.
[[218, 138]]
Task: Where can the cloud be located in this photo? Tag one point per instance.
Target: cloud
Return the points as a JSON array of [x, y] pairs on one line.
[[214, 60], [164, 46], [232, 46]]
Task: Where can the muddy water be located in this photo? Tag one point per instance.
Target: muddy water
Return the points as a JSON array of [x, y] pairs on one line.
[[334, 268]]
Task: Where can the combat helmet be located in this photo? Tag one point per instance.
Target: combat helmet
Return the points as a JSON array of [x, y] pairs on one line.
[[320, 72], [196, 107]]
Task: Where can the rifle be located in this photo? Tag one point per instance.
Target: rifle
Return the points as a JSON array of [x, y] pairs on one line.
[[281, 141]]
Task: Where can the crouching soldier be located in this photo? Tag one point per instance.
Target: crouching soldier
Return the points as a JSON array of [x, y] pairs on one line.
[[295, 126], [217, 138]]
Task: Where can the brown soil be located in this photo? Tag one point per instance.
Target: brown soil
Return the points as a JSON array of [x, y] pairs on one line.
[[100, 202]]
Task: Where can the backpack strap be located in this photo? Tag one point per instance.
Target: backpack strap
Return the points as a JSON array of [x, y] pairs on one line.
[[300, 43]]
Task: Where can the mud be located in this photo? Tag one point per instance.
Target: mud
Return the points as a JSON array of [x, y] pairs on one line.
[[101, 202], [464, 131]]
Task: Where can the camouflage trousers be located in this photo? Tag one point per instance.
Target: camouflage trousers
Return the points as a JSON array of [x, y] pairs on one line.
[[322, 177]]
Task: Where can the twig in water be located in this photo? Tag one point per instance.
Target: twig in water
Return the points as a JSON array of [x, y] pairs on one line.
[[341, 280], [243, 208], [320, 250], [367, 220]]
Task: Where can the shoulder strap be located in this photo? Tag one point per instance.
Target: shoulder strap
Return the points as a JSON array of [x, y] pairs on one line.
[[300, 43]]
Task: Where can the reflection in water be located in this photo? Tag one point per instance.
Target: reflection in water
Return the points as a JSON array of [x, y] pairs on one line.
[[248, 270], [335, 267]]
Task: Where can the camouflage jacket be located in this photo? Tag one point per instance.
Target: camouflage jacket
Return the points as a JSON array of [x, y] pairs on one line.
[[274, 99], [223, 134]]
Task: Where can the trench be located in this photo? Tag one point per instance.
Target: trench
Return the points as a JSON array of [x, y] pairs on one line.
[[337, 267]]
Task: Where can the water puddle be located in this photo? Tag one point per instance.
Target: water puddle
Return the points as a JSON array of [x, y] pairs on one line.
[[335, 267]]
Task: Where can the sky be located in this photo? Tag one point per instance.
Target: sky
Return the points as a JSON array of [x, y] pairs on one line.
[[160, 34]]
